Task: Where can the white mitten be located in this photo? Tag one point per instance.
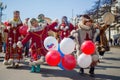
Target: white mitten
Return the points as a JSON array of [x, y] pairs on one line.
[[19, 44]]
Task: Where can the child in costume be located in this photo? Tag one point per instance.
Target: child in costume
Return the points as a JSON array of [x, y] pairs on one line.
[[64, 28], [13, 53], [84, 32], [37, 33]]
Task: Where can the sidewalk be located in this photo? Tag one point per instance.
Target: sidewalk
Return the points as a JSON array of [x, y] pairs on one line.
[[108, 69]]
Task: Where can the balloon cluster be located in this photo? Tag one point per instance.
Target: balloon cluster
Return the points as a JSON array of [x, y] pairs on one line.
[[85, 59], [60, 54]]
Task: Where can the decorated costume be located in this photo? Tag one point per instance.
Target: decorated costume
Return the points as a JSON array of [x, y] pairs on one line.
[[37, 36], [80, 35], [64, 28], [13, 53]]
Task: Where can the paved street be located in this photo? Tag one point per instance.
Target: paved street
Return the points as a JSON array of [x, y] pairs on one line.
[[108, 69]]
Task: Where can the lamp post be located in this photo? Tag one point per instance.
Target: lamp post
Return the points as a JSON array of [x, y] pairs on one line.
[[2, 7]]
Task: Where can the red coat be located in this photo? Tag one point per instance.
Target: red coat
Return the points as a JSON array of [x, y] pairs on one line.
[[37, 39], [65, 33], [12, 51]]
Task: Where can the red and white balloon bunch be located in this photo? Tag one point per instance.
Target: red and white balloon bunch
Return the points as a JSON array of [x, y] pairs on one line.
[[60, 54], [85, 59]]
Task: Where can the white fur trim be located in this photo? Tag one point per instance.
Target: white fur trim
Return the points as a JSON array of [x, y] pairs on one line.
[[19, 44], [61, 27], [56, 27], [66, 27], [41, 60], [8, 27], [35, 29], [82, 26], [14, 45], [72, 32], [32, 63], [19, 38], [14, 31], [10, 61], [10, 38], [5, 62]]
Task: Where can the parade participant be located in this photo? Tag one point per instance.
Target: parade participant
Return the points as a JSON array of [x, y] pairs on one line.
[[103, 45], [2, 38], [26, 45], [65, 28], [85, 31], [42, 20], [37, 33], [13, 53]]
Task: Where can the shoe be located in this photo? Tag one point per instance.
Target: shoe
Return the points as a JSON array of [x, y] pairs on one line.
[[92, 71], [16, 65], [33, 69], [37, 69], [81, 71], [92, 75]]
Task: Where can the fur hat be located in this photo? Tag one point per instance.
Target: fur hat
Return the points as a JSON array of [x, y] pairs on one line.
[[83, 20]]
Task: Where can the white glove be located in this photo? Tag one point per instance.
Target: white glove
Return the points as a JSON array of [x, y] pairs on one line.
[[14, 45], [61, 27], [57, 27], [19, 44], [8, 28]]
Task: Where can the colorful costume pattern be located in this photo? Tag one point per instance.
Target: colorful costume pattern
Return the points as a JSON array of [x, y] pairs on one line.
[[13, 53]]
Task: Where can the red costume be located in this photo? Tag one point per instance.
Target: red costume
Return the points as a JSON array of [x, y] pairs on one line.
[[65, 30], [37, 36], [13, 53]]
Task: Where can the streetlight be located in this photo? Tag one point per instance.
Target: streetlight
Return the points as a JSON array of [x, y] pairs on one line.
[[2, 7]]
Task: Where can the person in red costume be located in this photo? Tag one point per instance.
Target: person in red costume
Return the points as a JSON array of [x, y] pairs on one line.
[[65, 28], [13, 53], [37, 34]]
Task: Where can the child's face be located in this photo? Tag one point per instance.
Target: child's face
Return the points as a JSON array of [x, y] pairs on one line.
[[16, 15], [88, 23], [35, 23]]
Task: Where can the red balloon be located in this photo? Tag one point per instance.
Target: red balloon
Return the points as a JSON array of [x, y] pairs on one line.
[[53, 57], [23, 30], [88, 47], [6, 23], [68, 62]]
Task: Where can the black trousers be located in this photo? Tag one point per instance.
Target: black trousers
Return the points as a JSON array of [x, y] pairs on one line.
[[101, 53]]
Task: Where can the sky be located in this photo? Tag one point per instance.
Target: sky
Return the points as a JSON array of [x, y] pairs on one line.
[[53, 9]]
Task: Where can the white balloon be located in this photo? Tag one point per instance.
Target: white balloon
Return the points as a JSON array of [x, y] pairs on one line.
[[50, 43], [84, 60], [67, 45]]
